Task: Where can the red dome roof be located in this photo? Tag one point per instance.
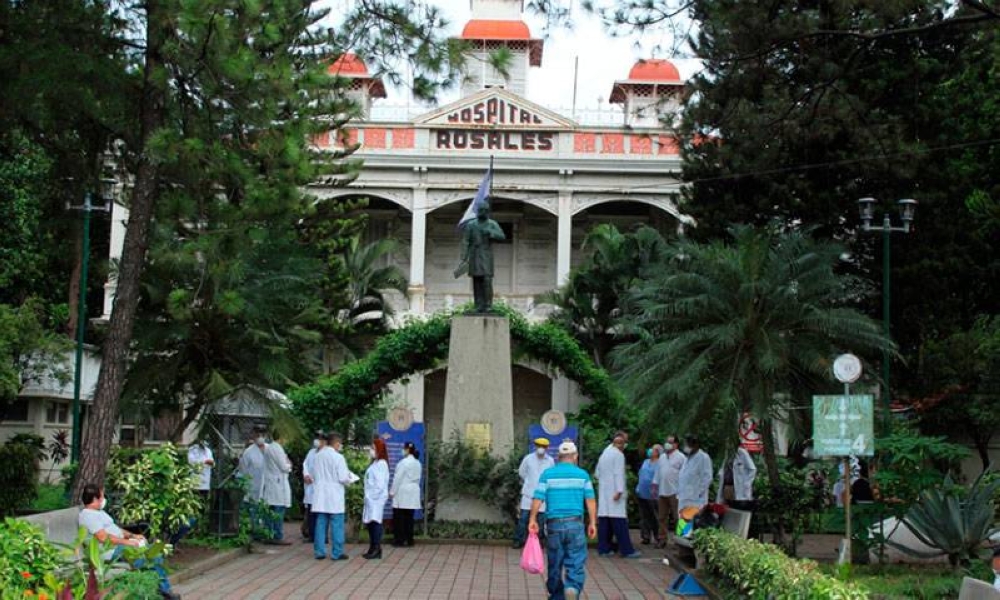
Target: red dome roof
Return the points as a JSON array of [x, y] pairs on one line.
[[347, 64], [495, 29], [654, 69]]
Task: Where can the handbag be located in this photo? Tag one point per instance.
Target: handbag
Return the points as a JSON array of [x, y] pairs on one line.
[[531, 556]]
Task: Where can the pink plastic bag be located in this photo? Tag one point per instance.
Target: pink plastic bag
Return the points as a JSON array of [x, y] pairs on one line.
[[531, 558]]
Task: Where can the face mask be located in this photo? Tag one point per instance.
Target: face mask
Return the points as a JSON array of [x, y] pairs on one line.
[[649, 453], [104, 502], [259, 441], [315, 443], [540, 451], [687, 449]]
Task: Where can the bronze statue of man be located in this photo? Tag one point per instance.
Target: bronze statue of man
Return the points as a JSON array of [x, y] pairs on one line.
[[477, 256]]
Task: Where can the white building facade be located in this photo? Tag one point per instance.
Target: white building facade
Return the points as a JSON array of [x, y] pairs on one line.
[[554, 179]]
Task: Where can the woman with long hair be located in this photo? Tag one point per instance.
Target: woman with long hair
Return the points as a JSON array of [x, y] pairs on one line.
[[376, 495]]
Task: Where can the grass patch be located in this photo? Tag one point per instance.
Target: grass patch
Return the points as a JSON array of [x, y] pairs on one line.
[[913, 582], [51, 496]]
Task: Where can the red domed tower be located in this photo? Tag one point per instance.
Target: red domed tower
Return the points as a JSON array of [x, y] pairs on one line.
[[364, 87], [497, 24], [654, 90]]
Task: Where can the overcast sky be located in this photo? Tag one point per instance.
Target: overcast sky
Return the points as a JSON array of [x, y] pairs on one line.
[[603, 59]]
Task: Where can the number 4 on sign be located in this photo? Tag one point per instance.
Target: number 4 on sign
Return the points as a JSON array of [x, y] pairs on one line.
[[859, 444]]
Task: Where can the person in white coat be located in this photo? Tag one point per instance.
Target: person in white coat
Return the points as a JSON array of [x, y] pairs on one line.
[[612, 501], [695, 476], [376, 495], [330, 476], [531, 468], [736, 477], [276, 492], [251, 471], [309, 520], [405, 494]]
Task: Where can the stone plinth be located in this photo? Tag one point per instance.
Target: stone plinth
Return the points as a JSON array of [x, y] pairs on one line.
[[478, 400]]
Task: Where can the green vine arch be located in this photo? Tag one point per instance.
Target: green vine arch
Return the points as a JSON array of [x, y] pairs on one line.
[[423, 345]]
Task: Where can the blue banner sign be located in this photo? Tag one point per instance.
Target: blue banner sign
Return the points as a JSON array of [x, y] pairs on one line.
[[394, 441]]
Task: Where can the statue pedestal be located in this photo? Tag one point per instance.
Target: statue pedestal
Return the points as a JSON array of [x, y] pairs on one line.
[[478, 398]]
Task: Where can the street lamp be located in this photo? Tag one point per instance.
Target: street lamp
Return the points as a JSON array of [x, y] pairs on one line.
[[907, 210], [88, 206]]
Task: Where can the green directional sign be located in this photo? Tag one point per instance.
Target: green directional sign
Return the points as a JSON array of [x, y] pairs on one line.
[[843, 425]]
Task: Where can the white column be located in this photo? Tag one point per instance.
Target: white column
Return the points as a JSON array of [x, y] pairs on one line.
[[561, 393], [119, 220], [565, 236], [418, 245]]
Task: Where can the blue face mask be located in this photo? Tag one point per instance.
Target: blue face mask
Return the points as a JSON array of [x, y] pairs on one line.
[[649, 453]]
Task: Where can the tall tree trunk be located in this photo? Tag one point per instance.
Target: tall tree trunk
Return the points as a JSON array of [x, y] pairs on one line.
[[773, 474], [114, 359], [74, 283]]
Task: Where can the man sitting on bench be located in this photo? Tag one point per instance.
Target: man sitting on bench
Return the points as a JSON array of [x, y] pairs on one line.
[[100, 525]]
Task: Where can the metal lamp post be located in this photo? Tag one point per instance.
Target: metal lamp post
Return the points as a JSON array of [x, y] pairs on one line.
[[907, 210], [88, 206]]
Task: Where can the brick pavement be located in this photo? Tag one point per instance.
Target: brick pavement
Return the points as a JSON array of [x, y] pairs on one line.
[[424, 572]]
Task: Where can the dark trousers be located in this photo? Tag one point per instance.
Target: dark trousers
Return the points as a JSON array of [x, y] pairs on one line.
[[374, 535], [482, 292], [308, 523], [617, 528], [402, 526], [647, 512]]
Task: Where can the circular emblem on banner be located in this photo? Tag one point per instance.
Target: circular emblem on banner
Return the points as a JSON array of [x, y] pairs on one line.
[[847, 368], [750, 437], [400, 418], [554, 422]]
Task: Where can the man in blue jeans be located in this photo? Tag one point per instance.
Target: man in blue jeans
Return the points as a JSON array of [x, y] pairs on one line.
[[100, 525], [564, 489]]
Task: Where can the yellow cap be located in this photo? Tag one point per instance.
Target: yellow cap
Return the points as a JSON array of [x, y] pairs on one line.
[[542, 442], [689, 512]]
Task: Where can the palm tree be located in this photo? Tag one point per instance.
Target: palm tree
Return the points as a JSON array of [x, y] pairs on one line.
[[590, 301], [742, 326], [369, 282]]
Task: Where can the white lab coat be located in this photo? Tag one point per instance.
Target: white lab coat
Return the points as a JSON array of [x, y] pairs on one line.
[[252, 468], [307, 469], [406, 484], [530, 470], [376, 491], [330, 475], [610, 474], [276, 489], [744, 472], [695, 477], [668, 473], [197, 455]]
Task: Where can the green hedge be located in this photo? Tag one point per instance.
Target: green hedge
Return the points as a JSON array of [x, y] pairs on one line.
[[423, 345], [763, 572]]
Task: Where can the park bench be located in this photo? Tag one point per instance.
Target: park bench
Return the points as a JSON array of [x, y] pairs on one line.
[[61, 527], [736, 522], [974, 589]]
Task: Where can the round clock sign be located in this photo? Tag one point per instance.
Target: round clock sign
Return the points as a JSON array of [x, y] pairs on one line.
[[847, 368]]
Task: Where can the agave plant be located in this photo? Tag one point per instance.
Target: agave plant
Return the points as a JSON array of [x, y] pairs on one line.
[[952, 519]]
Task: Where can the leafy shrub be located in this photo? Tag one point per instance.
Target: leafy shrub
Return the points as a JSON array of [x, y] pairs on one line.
[[25, 555], [134, 585], [469, 530], [791, 505], [458, 469], [18, 477], [763, 572], [156, 487]]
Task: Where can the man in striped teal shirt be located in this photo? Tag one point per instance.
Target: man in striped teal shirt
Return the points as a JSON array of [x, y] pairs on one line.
[[565, 489]]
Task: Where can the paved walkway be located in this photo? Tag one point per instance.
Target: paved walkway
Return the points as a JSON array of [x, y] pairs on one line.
[[423, 572]]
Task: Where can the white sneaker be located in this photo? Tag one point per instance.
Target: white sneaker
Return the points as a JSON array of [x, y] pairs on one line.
[[572, 594]]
